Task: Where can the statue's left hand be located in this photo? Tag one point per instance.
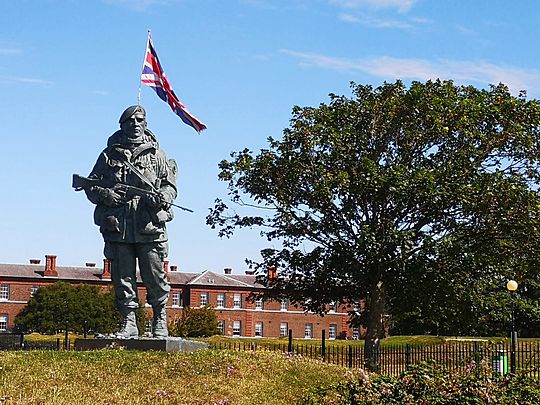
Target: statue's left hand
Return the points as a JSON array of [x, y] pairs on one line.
[[153, 200]]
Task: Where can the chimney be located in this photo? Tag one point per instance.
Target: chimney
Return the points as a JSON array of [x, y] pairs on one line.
[[106, 275], [35, 261], [250, 272], [174, 268], [50, 266], [166, 265], [272, 273], [89, 264], [228, 270]]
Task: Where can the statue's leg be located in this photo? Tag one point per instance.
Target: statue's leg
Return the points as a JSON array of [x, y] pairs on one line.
[[124, 278], [151, 256]]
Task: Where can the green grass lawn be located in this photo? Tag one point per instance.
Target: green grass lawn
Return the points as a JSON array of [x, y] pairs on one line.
[[390, 341], [131, 377]]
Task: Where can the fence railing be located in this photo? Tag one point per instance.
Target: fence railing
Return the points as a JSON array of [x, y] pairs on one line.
[[389, 360], [392, 360], [12, 341]]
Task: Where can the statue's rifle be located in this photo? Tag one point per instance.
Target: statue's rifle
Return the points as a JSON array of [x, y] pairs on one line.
[[83, 183]]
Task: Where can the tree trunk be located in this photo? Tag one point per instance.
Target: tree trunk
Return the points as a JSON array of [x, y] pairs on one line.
[[375, 325]]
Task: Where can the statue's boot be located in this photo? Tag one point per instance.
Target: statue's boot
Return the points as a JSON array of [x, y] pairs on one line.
[[129, 327], [159, 323]]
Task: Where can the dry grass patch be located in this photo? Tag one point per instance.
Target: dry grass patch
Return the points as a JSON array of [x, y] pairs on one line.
[[130, 377]]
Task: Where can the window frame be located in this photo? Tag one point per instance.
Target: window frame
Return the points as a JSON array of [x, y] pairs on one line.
[[237, 301], [308, 328], [237, 328], [283, 332], [220, 300], [259, 304], [4, 292], [203, 302], [176, 296], [259, 327], [4, 319], [332, 331]]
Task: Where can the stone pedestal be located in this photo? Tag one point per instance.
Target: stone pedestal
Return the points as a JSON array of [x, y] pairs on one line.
[[169, 344]]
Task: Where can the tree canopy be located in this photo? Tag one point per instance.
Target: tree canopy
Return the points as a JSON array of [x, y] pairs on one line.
[[62, 306], [396, 196]]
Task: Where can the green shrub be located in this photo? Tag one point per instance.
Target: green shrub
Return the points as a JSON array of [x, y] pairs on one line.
[[429, 383], [195, 322]]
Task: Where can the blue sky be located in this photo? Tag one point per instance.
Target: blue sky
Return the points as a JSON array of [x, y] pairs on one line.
[[68, 68]]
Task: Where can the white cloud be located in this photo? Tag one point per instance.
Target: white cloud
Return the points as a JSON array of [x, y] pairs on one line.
[[376, 22], [100, 92], [400, 5], [25, 80], [389, 68], [349, 18], [140, 5], [9, 51]]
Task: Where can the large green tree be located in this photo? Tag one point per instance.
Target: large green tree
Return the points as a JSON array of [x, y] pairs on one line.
[[372, 194], [62, 306]]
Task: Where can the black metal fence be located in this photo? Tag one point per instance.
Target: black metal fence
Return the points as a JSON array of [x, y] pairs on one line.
[[12, 341], [392, 360], [389, 360]]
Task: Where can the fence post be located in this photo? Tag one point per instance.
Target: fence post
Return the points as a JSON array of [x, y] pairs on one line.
[[407, 356], [477, 353], [66, 339], [513, 352], [323, 347], [350, 356], [21, 341], [289, 348]]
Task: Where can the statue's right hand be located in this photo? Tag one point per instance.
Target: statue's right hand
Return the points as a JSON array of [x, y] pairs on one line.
[[108, 196]]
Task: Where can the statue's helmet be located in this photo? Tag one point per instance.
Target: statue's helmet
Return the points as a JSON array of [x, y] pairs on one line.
[[131, 111]]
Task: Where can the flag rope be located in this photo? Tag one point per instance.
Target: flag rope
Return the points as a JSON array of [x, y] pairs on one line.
[[142, 69]]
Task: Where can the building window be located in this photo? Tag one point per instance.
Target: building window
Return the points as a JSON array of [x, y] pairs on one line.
[[283, 329], [221, 327], [4, 292], [284, 304], [236, 330], [355, 332], [148, 327], [332, 330], [33, 290], [176, 299], [308, 331], [237, 303], [258, 329], [204, 299], [220, 300], [332, 308], [3, 323], [259, 304]]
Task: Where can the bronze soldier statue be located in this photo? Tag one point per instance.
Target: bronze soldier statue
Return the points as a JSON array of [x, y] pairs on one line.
[[133, 185]]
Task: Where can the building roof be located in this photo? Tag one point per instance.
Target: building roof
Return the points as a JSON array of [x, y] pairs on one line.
[[209, 278], [36, 271], [93, 274]]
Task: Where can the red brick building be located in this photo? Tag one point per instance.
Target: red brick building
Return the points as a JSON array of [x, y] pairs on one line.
[[226, 292]]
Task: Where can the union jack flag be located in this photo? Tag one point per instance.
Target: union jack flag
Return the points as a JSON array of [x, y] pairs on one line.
[[154, 76]]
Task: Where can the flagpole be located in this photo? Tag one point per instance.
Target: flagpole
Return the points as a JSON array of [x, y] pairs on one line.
[[144, 60]]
